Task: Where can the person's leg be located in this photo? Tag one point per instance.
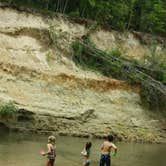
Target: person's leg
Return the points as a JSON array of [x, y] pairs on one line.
[[102, 160], [86, 164], [48, 163], [52, 162], [108, 160]]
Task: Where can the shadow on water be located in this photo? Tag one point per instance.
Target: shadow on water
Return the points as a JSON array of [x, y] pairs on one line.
[[23, 150]]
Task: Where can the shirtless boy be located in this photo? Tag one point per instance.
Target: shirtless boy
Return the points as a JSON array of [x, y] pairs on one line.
[[106, 149]]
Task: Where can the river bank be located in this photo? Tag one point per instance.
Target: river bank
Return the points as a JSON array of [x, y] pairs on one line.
[[86, 125]]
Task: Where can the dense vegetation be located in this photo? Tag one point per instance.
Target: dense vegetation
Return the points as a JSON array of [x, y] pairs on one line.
[[140, 15]]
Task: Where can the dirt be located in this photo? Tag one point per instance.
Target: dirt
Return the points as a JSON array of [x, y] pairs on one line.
[[55, 95]]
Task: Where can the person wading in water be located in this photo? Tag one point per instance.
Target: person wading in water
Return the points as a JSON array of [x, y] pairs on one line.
[[86, 154], [51, 154], [106, 149]]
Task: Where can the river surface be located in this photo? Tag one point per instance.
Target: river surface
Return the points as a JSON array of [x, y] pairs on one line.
[[23, 150]]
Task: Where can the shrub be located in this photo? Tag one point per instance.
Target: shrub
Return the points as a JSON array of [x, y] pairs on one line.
[[56, 33], [156, 63], [115, 52], [156, 60], [8, 109]]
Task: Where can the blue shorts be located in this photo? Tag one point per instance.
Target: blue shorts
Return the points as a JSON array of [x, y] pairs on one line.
[[87, 162], [105, 159]]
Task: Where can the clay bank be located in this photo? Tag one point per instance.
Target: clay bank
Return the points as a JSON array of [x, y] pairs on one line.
[[54, 95]]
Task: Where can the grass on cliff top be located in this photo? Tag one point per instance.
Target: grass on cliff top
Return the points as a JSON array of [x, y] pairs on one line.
[[8, 108]]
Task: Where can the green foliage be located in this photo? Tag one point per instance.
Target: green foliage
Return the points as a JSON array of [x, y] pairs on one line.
[[50, 56], [155, 64], [116, 52], [153, 16], [140, 15], [56, 33], [119, 11], [92, 2], [7, 109], [78, 49], [74, 14], [101, 61], [156, 60]]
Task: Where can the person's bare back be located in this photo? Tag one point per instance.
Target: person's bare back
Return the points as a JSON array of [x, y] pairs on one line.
[[107, 146]]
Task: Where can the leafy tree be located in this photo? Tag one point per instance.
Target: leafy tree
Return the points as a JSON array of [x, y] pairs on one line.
[[154, 16], [141, 15]]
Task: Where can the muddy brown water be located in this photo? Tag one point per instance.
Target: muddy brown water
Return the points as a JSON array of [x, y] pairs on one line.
[[23, 150]]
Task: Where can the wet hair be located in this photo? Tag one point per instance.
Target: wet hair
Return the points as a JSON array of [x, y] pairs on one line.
[[88, 145], [51, 139], [110, 138]]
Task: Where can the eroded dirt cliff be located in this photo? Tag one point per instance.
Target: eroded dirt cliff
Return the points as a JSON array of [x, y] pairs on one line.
[[55, 95]]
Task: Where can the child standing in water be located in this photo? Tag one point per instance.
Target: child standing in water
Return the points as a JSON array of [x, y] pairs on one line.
[[86, 154], [106, 149], [51, 154]]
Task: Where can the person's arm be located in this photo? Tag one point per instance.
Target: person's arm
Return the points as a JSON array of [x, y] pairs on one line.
[[102, 146], [84, 152], [48, 150], [115, 149]]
